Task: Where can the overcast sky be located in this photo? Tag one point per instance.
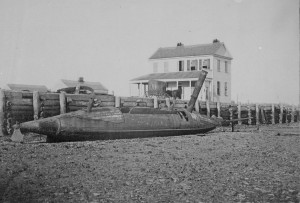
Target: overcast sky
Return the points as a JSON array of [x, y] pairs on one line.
[[42, 41]]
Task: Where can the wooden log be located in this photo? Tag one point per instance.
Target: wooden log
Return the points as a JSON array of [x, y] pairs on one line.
[[50, 103], [12, 94], [50, 108], [105, 98], [197, 106], [208, 109], [2, 113], [27, 95], [63, 103], [281, 114], [49, 96], [129, 104], [118, 102], [180, 105], [219, 109], [75, 108], [36, 104], [155, 102], [129, 99], [21, 108], [111, 104], [19, 102], [239, 114], [20, 112]]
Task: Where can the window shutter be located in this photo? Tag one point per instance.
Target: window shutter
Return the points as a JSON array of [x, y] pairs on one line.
[[188, 65]]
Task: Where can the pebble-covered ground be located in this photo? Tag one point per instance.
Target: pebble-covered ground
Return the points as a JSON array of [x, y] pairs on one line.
[[246, 166]]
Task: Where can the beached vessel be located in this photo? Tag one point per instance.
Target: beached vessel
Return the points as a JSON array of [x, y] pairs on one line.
[[103, 123]]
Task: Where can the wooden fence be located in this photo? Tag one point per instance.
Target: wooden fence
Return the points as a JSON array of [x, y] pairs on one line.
[[25, 106]]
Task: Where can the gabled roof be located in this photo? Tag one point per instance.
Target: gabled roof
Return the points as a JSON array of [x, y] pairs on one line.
[[95, 85], [29, 88], [217, 48], [170, 75]]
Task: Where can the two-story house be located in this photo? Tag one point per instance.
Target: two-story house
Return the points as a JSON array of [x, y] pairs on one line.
[[179, 67]]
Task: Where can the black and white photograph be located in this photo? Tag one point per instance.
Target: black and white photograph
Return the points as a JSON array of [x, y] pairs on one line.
[[150, 101]]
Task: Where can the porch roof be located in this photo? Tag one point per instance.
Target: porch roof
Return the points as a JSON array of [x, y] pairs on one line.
[[170, 75]]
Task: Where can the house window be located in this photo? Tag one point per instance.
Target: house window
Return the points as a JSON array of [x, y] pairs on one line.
[[155, 67], [194, 65], [218, 88], [188, 65], [200, 64], [166, 67], [181, 65], [206, 64], [218, 66], [226, 67], [225, 88]]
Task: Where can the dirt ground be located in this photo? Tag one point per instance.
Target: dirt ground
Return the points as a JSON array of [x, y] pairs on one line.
[[246, 166]]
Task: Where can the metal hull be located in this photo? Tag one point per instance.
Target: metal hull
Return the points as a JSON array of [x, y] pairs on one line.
[[105, 123]]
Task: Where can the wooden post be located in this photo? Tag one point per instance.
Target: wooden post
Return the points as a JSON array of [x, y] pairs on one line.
[[293, 114], [168, 103], [231, 113], [2, 112], [155, 102], [286, 114], [36, 105], [257, 113], [208, 108], [273, 114], [63, 102], [249, 115], [239, 114], [197, 106], [281, 114], [117, 101], [219, 109]]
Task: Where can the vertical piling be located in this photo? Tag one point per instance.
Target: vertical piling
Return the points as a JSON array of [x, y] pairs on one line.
[[2, 112], [239, 114], [117, 101], [219, 109], [62, 103], [36, 105], [281, 114], [257, 113], [208, 108]]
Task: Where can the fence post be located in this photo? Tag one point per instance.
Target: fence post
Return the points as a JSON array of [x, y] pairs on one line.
[[273, 114], [293, 114], [249, 115], [239, 114], [2, 112], [62, 103], [155, 102], [36, 105], [117, 101], [257, 113], [219, 109], [197, 107], [281, 114], [208, 108]]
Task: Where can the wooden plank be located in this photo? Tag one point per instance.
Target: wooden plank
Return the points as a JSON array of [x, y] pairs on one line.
[[129, 99], [2, 113], [105, 98], [111, 104], [180, 105], [129, 104], [36, 104], [21, 108]]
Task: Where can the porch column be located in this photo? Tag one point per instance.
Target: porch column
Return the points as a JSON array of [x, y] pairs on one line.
[[140, 89]]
